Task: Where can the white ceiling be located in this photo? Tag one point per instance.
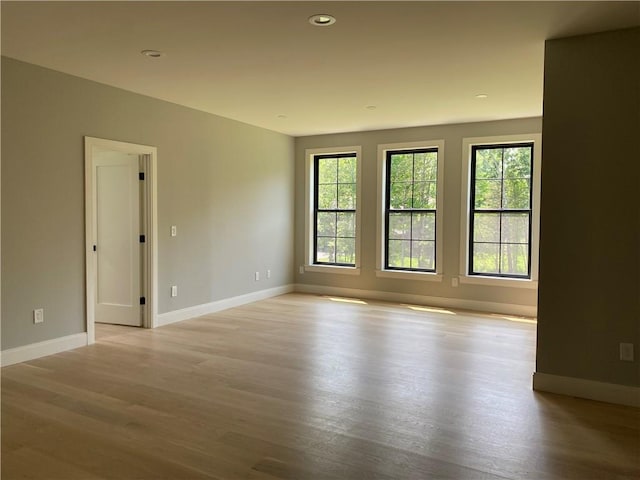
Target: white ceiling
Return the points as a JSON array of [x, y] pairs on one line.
[[419, 63]]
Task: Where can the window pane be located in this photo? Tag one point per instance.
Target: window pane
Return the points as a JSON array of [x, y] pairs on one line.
[[486, 258], [327, 170], [399, 253], [486, 227], [400, 225], [425, 167], [515, 227], [401, 167], [327, 197], [424, 195], [347, 170], [515, 259], [326, 250], [424, 226], [489, 163], [423, 255], [346, 250], [488, 194], [516, 194], [346, 224], [400, 196], [326, 224], [517, 162], [346, 196]]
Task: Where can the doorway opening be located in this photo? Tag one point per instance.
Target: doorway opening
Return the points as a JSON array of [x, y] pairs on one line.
[[121, 234]]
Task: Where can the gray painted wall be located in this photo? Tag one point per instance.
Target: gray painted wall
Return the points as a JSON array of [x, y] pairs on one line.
[[228, 187], [589, 295], [453, 135]]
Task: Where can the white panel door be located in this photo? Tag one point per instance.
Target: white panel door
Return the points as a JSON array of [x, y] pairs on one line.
[[117, 236]]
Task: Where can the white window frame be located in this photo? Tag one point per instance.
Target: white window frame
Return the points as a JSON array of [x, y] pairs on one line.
[[380, 225], [464, 277], [310, 155]]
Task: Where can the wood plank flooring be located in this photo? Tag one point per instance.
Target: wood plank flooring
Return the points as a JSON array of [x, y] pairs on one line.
[[107, 330], [307, 387]]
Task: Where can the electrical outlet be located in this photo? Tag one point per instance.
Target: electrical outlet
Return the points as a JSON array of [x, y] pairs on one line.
[[174, 230], [454, 282], [38, 315], [174, 291], [626, 352], [301, 270], [257, 276], [268, 273]]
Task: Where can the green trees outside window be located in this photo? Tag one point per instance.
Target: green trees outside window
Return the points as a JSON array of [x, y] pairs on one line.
[[410, 213], [335, 209], [500, 220]]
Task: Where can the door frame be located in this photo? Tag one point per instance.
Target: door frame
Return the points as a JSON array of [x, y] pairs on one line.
[[148, 224]]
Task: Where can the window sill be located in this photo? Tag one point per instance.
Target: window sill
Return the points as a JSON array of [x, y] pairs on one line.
[[421, 276], [498, 282], [332, 269]]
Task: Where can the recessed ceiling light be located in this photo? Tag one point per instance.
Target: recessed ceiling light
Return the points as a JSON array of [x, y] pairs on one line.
[[482, 95], [370, 107], [322, 20], [152, 53], [282, 116]]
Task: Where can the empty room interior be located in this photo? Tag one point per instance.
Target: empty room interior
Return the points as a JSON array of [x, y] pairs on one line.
[[313, 240]]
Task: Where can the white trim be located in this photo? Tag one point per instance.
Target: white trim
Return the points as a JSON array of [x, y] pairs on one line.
[[380, 208], [407, 275], [593, 390], [445, 302], [467, 143], [32, 351], [332, 269], [151, 228], [308, 199], [498, 282], [207, 308]]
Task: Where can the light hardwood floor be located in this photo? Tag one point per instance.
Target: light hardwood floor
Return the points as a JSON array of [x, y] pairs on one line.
[[307, 387]]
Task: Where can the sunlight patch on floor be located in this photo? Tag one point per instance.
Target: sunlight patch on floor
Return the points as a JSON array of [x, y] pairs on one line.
[[513, 318], [431, 309], [347, 300]]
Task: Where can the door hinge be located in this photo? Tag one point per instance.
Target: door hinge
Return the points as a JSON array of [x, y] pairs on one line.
[[140, 176], [143, 301], [142, 239]]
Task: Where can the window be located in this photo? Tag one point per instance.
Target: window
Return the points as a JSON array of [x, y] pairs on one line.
[[410, 221], [333, 216], [411, 210], [335, 210], [500, 240], [501, 216]]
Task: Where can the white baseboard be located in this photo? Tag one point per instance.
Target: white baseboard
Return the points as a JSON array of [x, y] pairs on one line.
[[578, 387], [42, 349], [443, 302], [206, 308], [57, 345]]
